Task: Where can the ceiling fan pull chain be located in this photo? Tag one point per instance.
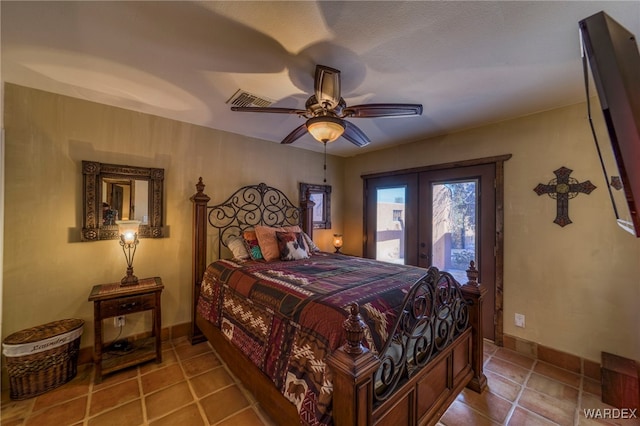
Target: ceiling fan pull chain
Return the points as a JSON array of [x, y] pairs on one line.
[[325, 162]]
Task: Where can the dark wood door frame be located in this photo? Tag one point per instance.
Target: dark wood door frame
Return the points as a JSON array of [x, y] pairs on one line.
[[498, 161]]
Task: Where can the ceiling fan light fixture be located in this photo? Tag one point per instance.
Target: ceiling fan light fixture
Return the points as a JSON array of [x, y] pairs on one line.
[[325, 129]]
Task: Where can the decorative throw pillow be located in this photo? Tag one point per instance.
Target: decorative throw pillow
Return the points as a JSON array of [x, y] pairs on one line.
[[268, 243], [237, 247], [310, 244], [291, 246], [252, 245]]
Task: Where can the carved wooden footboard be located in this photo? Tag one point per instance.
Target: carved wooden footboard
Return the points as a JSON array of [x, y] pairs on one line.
[[435, 351]]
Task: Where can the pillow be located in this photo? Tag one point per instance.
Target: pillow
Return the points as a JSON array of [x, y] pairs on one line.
[[268, 242], [291, 246], [237, 247], [310, 244], [251, 243]]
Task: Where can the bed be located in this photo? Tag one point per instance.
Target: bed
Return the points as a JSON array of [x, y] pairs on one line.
[[324, 338]]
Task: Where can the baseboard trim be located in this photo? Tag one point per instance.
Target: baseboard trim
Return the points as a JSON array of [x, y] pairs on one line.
[[560, 359]]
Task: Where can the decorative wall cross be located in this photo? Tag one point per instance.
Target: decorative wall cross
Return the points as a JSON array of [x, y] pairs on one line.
[[562, 188]]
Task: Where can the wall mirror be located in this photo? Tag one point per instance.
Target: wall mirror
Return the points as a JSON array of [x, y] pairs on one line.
[[113, 192], [321, 196]]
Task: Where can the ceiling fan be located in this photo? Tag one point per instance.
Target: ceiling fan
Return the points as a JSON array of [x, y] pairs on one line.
[[326, 110]]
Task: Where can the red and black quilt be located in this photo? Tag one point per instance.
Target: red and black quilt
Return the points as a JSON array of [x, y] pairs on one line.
[[287, 316]]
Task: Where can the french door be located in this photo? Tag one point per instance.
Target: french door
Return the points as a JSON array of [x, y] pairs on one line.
[[444, 217]]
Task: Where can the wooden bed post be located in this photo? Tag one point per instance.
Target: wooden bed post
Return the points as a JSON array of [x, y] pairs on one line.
[[306, 206], [200, 200], [474, 292], [353, 367]]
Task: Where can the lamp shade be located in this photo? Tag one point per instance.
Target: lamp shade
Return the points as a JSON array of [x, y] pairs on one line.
[[325, 129], [337, 241], [128, 230]]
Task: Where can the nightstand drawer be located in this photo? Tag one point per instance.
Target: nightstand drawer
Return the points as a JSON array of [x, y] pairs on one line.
[[127, 305]]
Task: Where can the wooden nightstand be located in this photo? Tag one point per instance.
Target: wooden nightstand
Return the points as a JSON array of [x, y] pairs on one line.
[[112, 300]]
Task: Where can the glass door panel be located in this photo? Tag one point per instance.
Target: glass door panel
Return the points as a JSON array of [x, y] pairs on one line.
[[390, 224], [453, 233]]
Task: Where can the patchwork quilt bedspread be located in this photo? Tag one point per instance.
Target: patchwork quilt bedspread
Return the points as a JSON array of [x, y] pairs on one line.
[[287, 316]]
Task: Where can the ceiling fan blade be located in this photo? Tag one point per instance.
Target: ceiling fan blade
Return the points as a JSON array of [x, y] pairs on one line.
[[327, 86], [382, 110], [297, 133], [353, 134], [271, 110]]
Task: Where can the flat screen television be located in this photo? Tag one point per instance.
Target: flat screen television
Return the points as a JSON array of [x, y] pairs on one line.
[[614, 61]]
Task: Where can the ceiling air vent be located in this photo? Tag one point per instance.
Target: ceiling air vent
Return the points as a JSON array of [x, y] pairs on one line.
[[245, 99]]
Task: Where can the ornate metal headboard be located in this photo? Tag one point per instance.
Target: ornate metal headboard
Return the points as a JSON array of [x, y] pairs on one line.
[[250, 206]]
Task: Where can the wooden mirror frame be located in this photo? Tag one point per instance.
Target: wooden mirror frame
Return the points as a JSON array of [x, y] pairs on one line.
[[323, 208], [92, 175]]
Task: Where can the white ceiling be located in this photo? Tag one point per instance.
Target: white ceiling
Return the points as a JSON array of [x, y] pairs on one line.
[[468, 63]]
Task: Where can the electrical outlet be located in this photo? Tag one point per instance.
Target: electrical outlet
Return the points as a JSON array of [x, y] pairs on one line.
[[118, 321], [519, 320]]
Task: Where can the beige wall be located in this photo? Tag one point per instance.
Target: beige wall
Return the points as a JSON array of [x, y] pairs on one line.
[[578, 286], [48, 273]]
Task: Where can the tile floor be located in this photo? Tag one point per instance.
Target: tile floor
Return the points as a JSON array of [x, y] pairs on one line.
[[192, 387]]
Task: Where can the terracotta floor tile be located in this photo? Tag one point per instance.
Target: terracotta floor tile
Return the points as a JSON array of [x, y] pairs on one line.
[[489, 346], [115, 395], [15, 409], [63, 414], [224, 403], [13, 422], [558, 411], [593, 402], [117, 377], [553, 388], [211, 381], [264, 416], [182, 340], [165, 344], [591, 386], [564, 376], [514, 357], [246, 417], [502, 386], [460, 414], [78, 386], [189, 351], [200, 364], [168, 399], [129, 414], [507, 369], [161, 378], [488, 349], [522, 417], [186, 416], [487, 403], [168, 357], [583, 421], [192, 387]]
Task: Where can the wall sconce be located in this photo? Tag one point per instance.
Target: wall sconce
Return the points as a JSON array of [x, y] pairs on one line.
[[337, 242], [128, 230], [325, 128]]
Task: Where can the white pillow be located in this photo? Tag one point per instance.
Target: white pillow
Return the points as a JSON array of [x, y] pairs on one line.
[[237, 247], [312, 246]]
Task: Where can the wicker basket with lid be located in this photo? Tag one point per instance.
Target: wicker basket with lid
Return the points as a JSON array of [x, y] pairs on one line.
[[42, 358]]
